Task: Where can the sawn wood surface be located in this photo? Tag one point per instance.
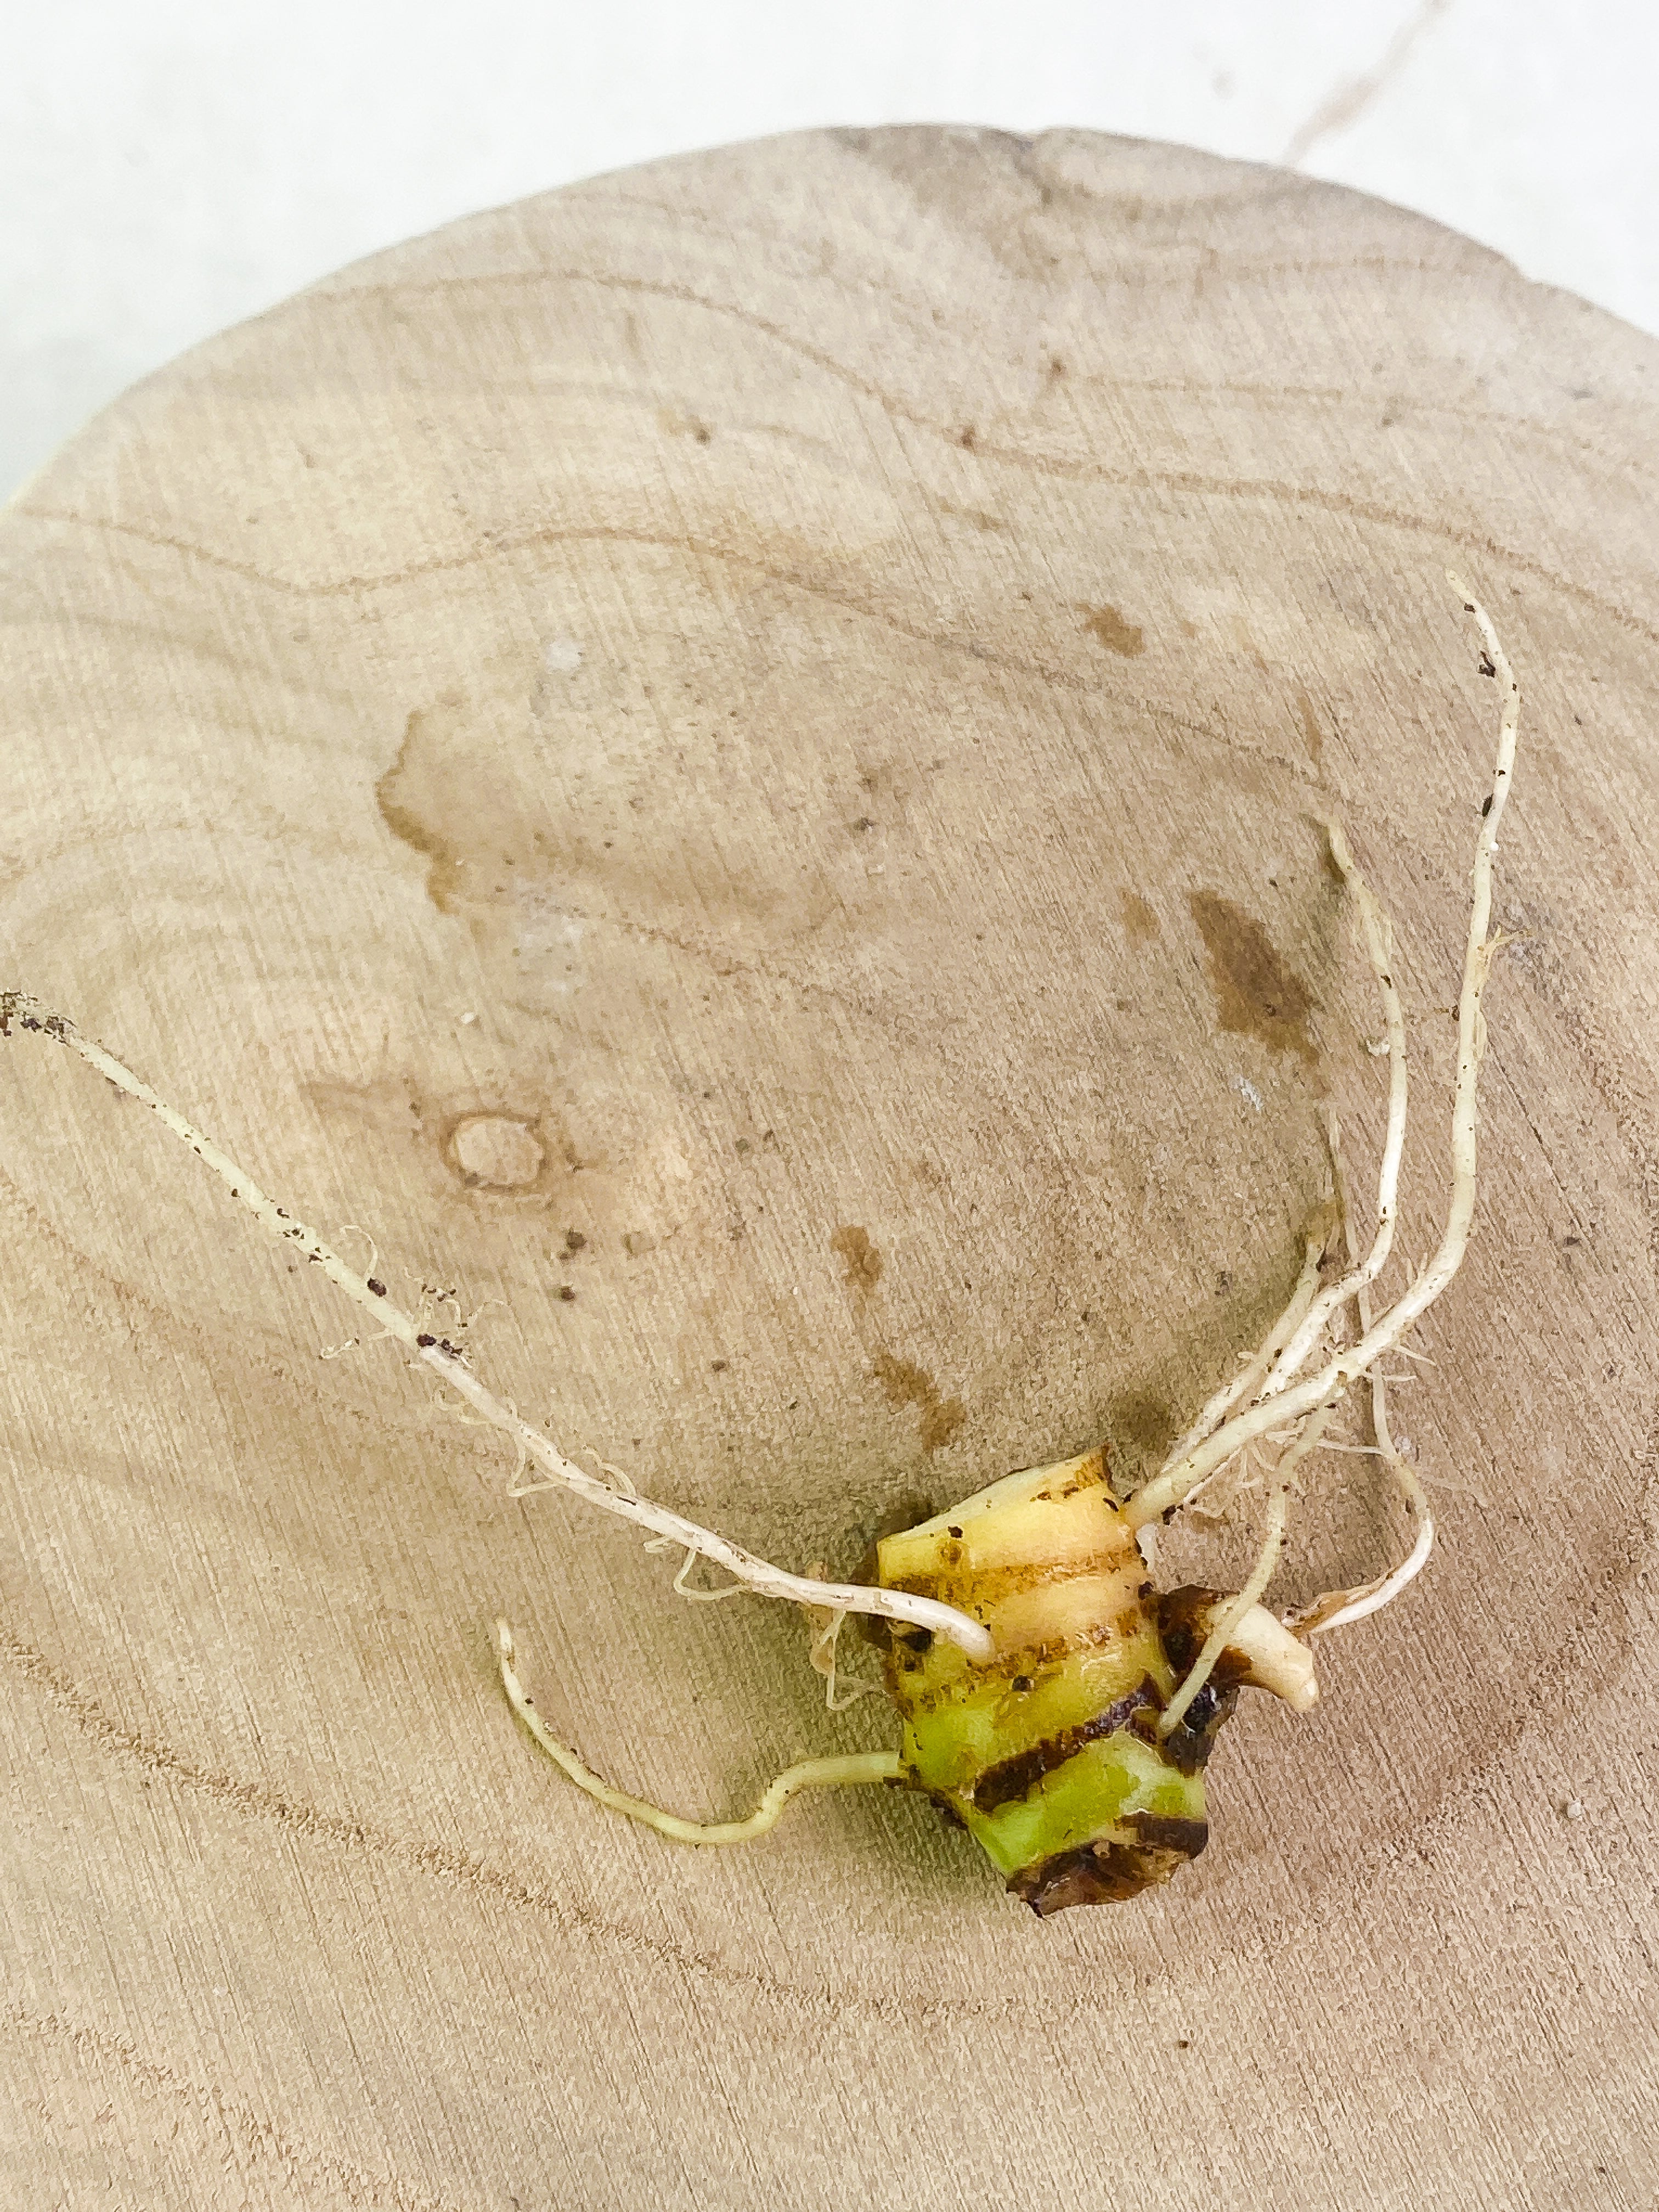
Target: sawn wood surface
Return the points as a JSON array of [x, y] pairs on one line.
[[730, 762]]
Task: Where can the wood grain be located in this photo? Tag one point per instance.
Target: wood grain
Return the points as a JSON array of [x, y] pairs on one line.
[[718, 759]]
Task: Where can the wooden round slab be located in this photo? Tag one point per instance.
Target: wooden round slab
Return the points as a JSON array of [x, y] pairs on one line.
[[731, 764]]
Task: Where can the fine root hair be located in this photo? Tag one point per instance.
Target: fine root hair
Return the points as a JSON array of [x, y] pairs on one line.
[[1288, 1389]]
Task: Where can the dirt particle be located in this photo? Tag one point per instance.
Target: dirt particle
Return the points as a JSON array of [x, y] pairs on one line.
[[494, 1152], [860, 1256], [636, 1242], [566, 1294], [1256, 995], [1139, 922], [574, 1241], [908, 1385], [1114, 632]]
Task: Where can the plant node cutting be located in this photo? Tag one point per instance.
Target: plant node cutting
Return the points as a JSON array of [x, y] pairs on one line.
[[1053, 1699]]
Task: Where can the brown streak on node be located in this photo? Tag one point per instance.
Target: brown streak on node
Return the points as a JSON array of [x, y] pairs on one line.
[[991, 1586], [1016, 1776], [1164, 1832], [1183, 1619], [1184, 1622], [1033, 1659], [1105, 1872]]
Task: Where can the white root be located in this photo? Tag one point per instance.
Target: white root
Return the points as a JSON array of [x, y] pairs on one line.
[[18, 1009], [1283, 1395], [823, 1660], [1379, 944], [823, 1657], [1338, 1608], [1180, 1484], [1278, 1515], [683, 1586], [1289, 1400], [862, 1766], [1247, 1384]]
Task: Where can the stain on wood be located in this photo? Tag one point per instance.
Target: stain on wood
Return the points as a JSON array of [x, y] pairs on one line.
[[908, 1383], [1140, 917], [1256, 993], [861, 1259], [1113, 631]]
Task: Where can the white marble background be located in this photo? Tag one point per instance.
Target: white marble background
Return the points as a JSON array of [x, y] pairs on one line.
[[167, 166]]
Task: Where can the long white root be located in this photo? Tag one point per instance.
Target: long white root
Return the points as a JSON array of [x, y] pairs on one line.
[[1338, 1608], [19, 1010], [1246, 1385], [1281, 1394], [1379, 944], [806, 1774]]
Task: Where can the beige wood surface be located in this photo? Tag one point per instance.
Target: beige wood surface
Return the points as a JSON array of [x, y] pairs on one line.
[[729, 761]]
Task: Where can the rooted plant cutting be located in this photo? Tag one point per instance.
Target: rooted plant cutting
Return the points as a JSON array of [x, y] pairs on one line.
[[1053, 1699]]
